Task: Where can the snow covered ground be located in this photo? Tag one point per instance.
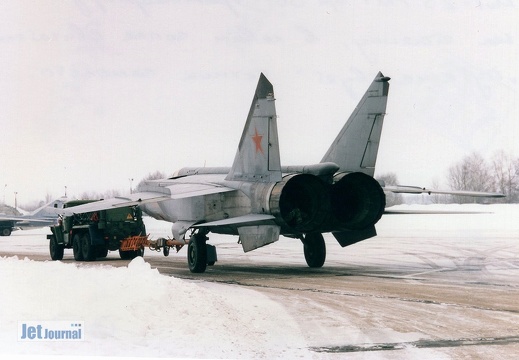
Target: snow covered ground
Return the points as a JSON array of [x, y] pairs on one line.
[[135, 311]]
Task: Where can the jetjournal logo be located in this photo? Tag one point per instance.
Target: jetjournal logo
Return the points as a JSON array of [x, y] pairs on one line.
[[51, 330]]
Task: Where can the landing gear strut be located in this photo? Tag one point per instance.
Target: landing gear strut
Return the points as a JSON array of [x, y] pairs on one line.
[[314, 249]]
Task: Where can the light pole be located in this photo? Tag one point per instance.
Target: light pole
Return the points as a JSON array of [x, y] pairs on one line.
[[15, 201], [131, 180], [5, 186]]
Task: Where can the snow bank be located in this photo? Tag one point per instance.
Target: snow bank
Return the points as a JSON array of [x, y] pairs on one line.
[[135, 311]]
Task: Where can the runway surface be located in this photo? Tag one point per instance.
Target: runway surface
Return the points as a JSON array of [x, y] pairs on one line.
[[446, 288]]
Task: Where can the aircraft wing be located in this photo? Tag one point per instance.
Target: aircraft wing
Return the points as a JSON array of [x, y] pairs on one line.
[[184, 190], [116, 202], [403, 189], [430, 212], [26, 219], [21, 218], [177, 191]]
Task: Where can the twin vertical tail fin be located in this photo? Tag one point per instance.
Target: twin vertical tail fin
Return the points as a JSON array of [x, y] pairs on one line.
[[257, 158], [355, 148]]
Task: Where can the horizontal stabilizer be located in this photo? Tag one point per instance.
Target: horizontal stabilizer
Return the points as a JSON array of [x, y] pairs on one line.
[[431, 212], [403, 189]]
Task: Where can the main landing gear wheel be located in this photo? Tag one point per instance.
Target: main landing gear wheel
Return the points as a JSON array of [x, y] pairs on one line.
[[315, 250], [197, 253]]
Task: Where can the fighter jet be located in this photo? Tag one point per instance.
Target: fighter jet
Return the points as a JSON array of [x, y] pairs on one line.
[[259, 200], [41, 217]]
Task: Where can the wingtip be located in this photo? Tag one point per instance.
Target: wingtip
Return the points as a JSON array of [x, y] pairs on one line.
[[264, 87]]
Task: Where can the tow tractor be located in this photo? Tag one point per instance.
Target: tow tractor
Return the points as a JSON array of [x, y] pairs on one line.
[[92, 234]]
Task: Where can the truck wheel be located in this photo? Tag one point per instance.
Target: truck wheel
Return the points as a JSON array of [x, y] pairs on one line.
[[197, 254], [101, 251], [55, 249], [88, 250], [5, 232], [125, 255], [131, 254], [76, 248]]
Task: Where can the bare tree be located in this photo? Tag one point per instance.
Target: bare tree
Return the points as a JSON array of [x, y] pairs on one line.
[[439, 198], [94, 195], [472, 173], [152, 176], [111, 194], [91, 195], [48, 198], [506, 175]]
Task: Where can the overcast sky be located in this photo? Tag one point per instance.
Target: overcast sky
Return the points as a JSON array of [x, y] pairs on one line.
[[94, 93]]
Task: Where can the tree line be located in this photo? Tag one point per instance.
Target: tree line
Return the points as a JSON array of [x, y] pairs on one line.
[[113, 193], [499, 174], [473, 173]]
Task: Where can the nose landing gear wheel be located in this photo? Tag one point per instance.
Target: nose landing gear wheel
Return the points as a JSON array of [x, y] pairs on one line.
[[197, 253]]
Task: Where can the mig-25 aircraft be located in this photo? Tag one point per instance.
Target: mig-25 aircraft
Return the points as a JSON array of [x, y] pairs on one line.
[[259, 200]]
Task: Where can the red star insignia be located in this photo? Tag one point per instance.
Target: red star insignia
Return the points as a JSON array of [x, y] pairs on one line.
[[257, 141]]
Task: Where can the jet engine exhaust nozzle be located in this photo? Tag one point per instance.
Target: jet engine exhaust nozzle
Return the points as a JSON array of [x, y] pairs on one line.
[[357, 200], [300, 202]]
